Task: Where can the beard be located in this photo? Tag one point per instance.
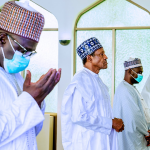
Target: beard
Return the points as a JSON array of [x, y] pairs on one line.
[[134, 81]]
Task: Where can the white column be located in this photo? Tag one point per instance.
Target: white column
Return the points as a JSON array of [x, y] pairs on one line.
[[65, 62]]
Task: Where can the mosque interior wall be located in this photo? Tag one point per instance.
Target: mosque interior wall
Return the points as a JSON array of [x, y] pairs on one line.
[[66, 12]]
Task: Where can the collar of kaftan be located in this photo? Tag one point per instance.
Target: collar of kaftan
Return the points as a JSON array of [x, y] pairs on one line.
[[91, 72], [129, 84]]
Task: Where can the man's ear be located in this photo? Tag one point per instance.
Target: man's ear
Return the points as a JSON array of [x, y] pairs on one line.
[[3, 37], [129, 71], [89, 58]]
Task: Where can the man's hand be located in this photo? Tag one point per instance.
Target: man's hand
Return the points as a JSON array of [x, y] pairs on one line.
[[148, 138], [40, 89], [117, 124]]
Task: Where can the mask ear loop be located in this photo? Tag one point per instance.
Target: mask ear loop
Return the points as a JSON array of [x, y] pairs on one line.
[[132, 76], [3, 52], [11, 44], [134, 71]]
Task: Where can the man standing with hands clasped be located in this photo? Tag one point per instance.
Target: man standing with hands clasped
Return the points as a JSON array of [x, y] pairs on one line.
[[21, 102], [86, 119], [132, 108]]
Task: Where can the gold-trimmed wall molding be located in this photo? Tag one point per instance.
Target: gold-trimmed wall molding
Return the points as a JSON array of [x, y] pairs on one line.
[[87, 9], [111, 28], [50, 29], [138, 5], [100, 1], [100, 28]]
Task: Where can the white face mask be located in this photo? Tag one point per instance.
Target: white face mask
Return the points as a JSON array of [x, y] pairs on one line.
[[17, 63]]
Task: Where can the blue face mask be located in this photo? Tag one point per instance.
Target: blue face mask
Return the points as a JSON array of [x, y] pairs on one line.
[[17, 63], [139, 78]]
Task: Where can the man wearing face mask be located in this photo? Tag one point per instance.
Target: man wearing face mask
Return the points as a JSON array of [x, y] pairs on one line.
[[131, 107], [21, 102]]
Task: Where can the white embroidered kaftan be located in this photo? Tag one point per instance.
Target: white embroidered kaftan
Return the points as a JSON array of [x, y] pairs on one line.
[[86, 116], [20, 117], [128, 105]]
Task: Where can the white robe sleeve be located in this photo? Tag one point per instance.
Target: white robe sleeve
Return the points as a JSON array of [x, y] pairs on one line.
[[146, 92], [82, 114], [22, 115], [38, 128], [126, 107]]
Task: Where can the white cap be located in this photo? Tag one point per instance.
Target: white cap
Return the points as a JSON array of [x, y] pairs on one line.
[[132, 63], [130, 59], [25, 4]]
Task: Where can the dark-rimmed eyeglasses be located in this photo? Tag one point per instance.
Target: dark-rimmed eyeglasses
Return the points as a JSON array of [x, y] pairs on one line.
[[25, 52]]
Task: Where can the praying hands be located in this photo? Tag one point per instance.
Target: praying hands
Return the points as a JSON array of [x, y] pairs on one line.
[[40, 89]]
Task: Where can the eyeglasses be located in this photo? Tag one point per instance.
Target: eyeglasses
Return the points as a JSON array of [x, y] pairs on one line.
[[26, 53]]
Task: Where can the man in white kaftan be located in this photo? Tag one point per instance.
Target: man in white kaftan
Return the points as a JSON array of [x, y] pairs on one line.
[[131, 108], [86, 118], [20, 116], [21, 102]]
